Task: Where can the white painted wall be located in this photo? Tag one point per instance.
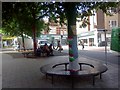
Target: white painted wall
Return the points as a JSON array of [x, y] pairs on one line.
[[103, 37], [28, 43], [96, 38], [52, 30], [93, 21], [80, 30]]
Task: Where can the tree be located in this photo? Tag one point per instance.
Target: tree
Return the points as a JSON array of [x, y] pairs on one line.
[[22, 18], [71, 10], [64, 10]]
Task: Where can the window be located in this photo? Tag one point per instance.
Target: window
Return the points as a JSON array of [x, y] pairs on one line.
[[113, 23]]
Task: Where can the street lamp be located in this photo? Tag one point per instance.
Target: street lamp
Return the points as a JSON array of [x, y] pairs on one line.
[[105, 46]]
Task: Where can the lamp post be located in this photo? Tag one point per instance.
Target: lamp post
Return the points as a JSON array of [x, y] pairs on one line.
[[105, 46]]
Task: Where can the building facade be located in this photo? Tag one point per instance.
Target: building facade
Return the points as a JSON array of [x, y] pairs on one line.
[[94, 35], [56, 32], [91, 35]]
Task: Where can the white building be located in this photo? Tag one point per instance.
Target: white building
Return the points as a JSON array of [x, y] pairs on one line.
[[94, 34], [91, 35]]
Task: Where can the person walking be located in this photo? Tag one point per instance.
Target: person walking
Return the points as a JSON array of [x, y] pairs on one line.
[[59, 47], [53, 44], [82, 46]]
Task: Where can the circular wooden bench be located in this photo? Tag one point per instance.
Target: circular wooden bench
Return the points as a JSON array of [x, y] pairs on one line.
[[55, 70]]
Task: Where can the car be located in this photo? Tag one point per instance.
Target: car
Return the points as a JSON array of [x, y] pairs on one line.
[[102, 43], [41, 43]]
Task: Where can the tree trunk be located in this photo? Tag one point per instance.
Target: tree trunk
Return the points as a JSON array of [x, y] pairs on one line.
[[72, 36], [23, 42], [34, 38]]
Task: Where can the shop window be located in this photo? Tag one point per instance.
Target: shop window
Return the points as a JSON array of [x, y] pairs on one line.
[[91, 41]]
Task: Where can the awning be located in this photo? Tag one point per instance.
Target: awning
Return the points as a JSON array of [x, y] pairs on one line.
[[7, 38]]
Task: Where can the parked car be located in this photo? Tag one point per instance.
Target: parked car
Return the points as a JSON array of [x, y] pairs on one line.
[[102, 43], [41, 43]]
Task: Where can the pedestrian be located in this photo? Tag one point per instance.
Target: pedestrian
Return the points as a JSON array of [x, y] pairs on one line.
[[38, 52], [53, 44], [46, 49], [51, 49], [18, 46], [59, 47], [82, 46]]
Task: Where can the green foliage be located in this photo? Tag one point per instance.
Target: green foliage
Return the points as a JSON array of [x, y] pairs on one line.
[[10, 28], [83, 10], [40, 26], [18, 18]]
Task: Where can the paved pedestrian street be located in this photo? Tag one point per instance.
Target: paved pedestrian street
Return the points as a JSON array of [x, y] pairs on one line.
[[20, 72]]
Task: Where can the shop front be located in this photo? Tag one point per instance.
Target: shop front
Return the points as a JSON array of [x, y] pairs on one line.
[[55, 38], [95, 38], [88, 38]]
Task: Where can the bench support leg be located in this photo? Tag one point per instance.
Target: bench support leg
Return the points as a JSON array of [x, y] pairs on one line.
[[52, 79], [72, 81], [93, 80], [100, 76], [80, 67], [46, 76]]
